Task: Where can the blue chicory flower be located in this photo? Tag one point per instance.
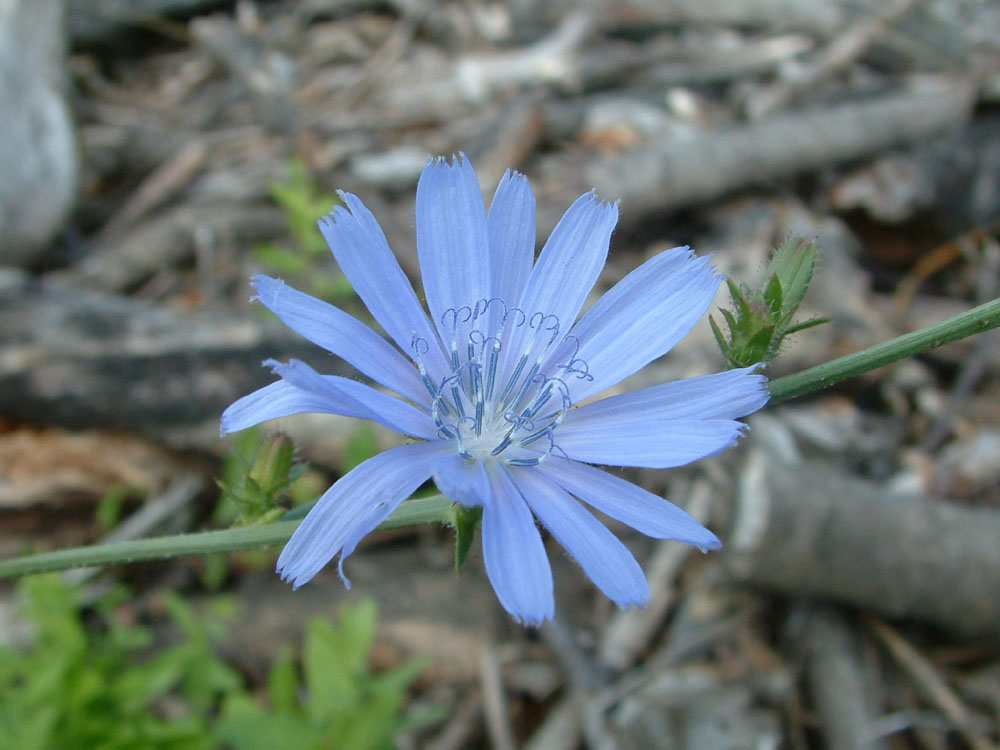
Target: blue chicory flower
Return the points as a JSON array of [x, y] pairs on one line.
[[488, 384]]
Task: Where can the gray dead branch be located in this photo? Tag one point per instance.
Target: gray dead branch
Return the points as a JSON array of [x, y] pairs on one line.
[[99, 21], [678, 172], [693, 708], [170, 239], [837, 682], [932, 684], [843, 49], [39, 157], [808, 530], [495, 702], [813, 16], [76, 359], [949, 182], [561, 728]]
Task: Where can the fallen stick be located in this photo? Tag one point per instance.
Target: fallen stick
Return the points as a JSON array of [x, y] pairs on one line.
[[75, 359], [676, 172], [809, 530], [932, 684], [133, 257], [812, 16], [836, 682]]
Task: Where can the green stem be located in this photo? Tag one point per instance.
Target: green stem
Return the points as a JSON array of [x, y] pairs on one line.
[[434, 509], [439, 509], [976, 320]]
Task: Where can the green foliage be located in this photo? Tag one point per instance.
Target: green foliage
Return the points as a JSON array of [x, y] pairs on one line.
[[257, 480], [360, 447], [109, 509], [303, 203], [98, 685], [762, 316], [467, 520], [85, 688], [345, 706]]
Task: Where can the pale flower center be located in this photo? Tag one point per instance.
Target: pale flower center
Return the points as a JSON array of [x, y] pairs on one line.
[[498, 406]]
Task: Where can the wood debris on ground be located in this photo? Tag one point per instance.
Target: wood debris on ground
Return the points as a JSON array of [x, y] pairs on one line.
[[855, 604]]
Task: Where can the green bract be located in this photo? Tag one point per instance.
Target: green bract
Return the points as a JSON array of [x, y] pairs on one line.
[[762, 316]]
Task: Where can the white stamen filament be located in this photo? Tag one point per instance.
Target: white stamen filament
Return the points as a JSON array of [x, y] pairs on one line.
[[516, 425]]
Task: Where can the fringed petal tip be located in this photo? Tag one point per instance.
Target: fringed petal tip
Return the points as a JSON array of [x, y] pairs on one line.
[[288, 577], [532, 621], [343, 210], [512, 175], [710, 543], [594, 200], [457, 159], [755, 374], [639, 602], [296, 571], [269, 283]]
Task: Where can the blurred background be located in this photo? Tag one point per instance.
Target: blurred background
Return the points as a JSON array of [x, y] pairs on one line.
[[156, 153]]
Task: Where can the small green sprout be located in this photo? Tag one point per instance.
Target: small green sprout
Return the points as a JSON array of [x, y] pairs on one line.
[[762, 316], [303, 203], [260, 477]]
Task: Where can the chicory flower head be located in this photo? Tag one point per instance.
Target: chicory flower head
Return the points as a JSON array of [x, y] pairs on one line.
[[488, 384]]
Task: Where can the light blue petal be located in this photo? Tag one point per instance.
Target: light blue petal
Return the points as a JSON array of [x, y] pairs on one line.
[[602, 556], [282, 399], [361, 250], [511, 226], [452, 243], [628, 503], [514, 554], [349, 507], [650, 442], [565, 272], [641, 318], [462, 480], [571, 260], [380, 511], [366, 401], [723, 395], [343, 335]]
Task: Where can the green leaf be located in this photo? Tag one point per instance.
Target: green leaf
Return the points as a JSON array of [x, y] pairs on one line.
[[356, 635], [59, 695], [466, 522], [280, 259], [244, 726], [109, 509], [273, 465], [773, 294], [730, 321], [739, 300], [360, 447], [283, 682], [811, 323], [758, 347], [793, 262], [328, 681], [719, 338]]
